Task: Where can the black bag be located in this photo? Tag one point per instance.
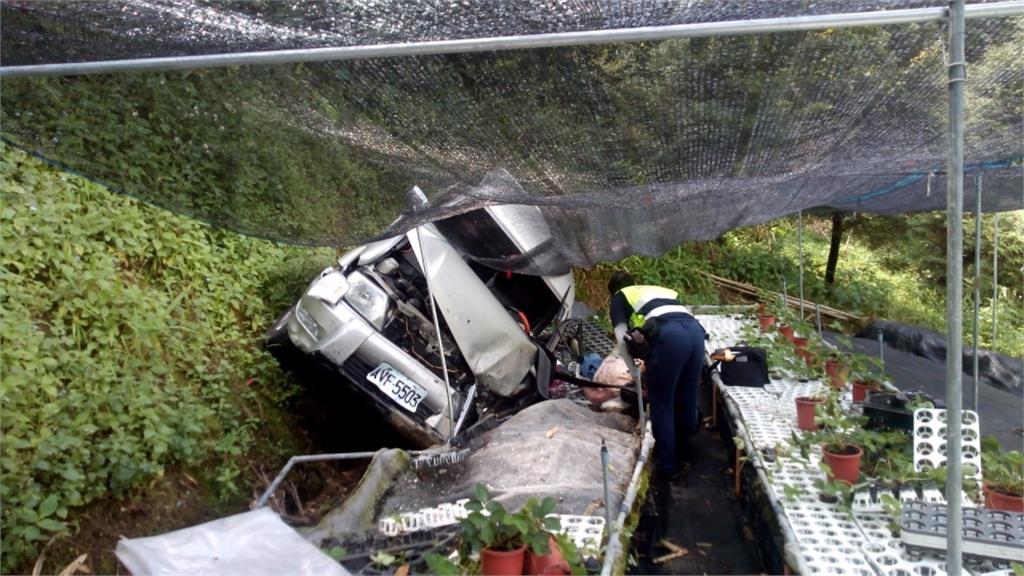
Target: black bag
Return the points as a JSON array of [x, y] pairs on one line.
[[748, 368], [639, 340]]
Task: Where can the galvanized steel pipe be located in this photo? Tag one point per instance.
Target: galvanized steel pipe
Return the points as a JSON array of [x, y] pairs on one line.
[[521, 42], [957, 76]]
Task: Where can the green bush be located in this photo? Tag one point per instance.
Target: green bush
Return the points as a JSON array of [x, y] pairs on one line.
[[892, 268], [130, 342]]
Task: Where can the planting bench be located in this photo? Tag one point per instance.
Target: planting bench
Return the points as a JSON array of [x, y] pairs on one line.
[[808, 535]]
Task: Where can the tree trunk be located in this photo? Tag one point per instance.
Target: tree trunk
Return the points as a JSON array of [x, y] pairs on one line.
[[833, 249]]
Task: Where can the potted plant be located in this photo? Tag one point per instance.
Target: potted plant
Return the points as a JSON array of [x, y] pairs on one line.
[[867, 374], [837, 367], [543, 553], [839, 435], [806, 410], [497, 535], [1003, 472]]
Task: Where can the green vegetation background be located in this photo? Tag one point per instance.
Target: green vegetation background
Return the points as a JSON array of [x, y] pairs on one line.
[[131, 344], [892, 268], [131, 336]]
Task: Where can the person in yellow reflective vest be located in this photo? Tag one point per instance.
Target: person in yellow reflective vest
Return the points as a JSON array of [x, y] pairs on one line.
[[673, 364]]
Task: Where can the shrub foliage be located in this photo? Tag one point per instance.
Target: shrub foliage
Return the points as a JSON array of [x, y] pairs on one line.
[[130, 342]]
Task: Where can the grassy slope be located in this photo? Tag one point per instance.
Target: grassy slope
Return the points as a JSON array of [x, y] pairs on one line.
[[130, 350]]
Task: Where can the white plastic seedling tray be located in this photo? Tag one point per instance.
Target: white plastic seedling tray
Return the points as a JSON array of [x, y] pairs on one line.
[[586, 531], [930, 441]]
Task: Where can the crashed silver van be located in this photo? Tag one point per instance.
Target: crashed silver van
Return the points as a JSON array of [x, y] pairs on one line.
[[498, 287]]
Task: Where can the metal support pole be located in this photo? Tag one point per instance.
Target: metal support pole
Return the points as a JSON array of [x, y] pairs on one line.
[[607, 494], [785, 296], [552, 40], [881, 348], [995, 275], [640, 399], [440, 342], [973, 395], [957, 76], [800, 242], [817, 317]]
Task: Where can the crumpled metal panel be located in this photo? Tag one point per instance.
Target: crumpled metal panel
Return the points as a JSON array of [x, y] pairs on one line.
[[497, 350]]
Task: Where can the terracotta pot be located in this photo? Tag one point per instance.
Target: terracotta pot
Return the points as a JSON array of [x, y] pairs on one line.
[[810, 359], [766, 322], [845, 467], [502, 562], [836, 373], [805, 412], [800, 342], [861, 389], [787, 331], [1000, 501], [542, 565], [761, 309]]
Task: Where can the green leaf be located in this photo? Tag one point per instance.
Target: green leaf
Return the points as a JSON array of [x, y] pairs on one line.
[[547, 506], [48, 506], [51, 525], [480, 491], [383, 559], [441, 565], [337, 552]]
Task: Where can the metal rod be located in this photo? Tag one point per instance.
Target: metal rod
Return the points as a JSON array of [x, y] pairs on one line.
[[307, 458], [800, 242], [604, 480], [995, 276], [785, 298], [881, 348], [817, 317], [614, 550], [552, 40], [957, 77], [640, 398], [973, 395], [440, 343], [466, 405]]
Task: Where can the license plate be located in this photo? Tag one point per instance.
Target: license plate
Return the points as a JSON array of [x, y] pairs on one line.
[[397, 386]]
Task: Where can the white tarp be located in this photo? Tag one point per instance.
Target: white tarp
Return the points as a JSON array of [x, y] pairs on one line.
[[256, 542]]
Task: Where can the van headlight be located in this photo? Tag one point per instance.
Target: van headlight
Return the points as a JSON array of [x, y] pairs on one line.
[[308, 322], [367, 298]]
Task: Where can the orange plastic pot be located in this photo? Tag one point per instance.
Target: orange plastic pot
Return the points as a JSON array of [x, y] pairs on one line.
[[502, 562], [836, 373], [765, 322], [861, 389], [787, 331], [547, 564], [805, 412], [799, 342], [844, 466], [999, 501]]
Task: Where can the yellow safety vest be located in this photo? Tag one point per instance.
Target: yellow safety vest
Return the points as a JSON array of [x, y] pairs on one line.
[[640, 296]]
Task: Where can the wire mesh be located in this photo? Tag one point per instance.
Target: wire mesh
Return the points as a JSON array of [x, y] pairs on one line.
[[627, 148]]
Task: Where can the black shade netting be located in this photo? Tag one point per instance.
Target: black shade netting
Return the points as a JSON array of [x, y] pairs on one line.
[[627, 148]]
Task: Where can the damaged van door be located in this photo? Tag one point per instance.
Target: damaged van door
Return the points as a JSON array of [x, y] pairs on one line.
[[497, 285]]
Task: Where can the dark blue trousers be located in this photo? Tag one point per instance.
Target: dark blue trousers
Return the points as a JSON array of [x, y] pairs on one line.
[[672, 376]]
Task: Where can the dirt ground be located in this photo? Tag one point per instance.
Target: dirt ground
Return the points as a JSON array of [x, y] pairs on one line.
[[178, 500]]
